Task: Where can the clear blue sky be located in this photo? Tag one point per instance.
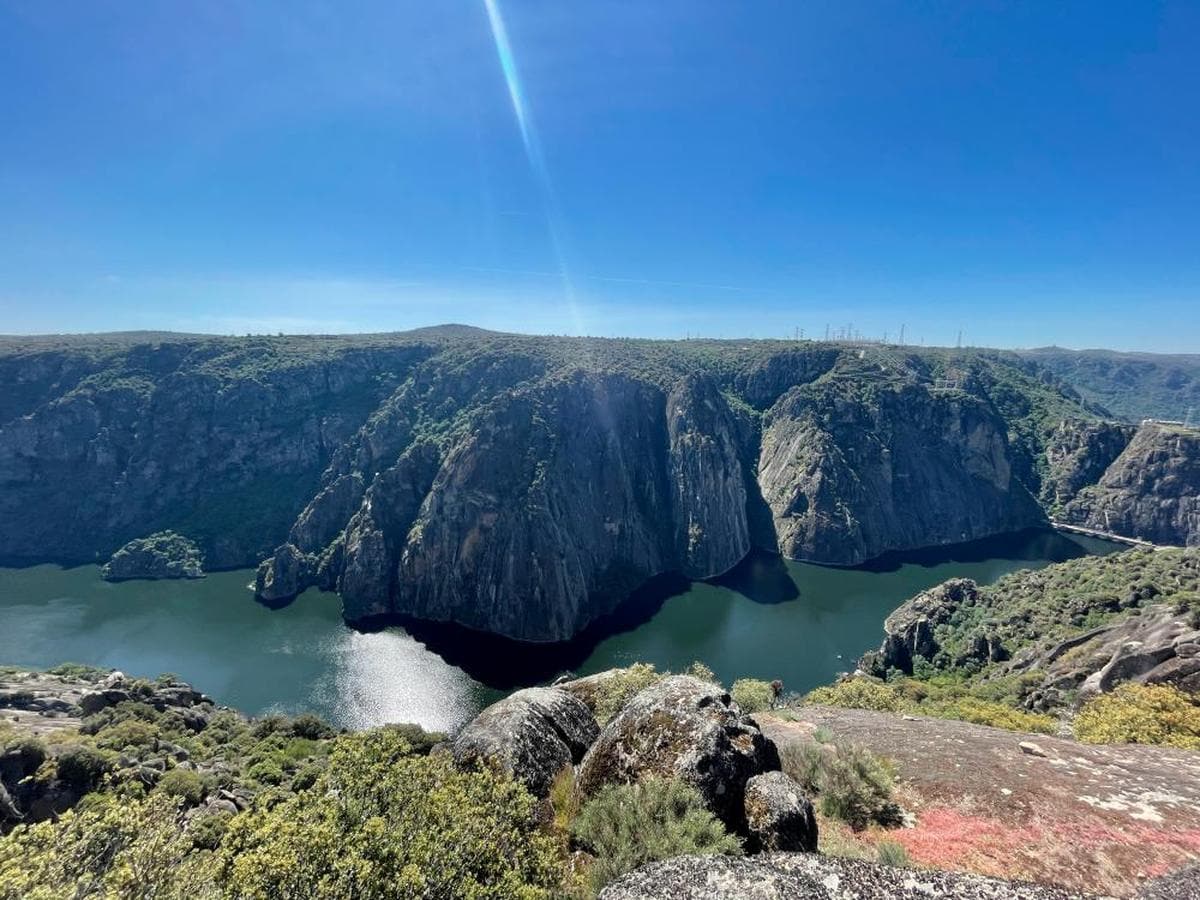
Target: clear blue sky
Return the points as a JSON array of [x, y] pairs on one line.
[[1029, 172]]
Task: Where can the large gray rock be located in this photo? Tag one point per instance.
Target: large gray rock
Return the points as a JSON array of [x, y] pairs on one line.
[[161, 555], [778, 814], [686, 728], [808, 876], [533, 734]]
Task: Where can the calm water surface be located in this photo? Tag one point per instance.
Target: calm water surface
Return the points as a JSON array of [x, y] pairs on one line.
[[769, 618]]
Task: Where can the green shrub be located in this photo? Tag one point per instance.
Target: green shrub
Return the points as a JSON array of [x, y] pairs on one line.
[[628, 825], [849, 782], [753, 695], [703, 672], [82, 767], [419, 740], [1141, 714], [29, 752], [206, 831], [615, 691], [382, 822], [185, 784], [858, 693], [267, 771], [127, 733], [127, 849], [311, 727], [988, 712], [891, 853]]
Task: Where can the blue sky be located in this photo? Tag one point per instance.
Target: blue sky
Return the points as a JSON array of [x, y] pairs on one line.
[[1027, 172]]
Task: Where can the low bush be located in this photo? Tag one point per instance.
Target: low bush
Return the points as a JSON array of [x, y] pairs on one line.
[[753, 695], [628, 825], [891, 853], [82, 767], [850, 783], [615, 691], [1141, 714], [858, 693], [183, 784], [109, 849], [988, 712], [381, 822]]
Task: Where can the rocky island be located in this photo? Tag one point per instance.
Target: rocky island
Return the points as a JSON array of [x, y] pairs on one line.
[[162, 555]]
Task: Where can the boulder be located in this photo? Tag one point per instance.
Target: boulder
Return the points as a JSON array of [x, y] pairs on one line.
[[910, 629], [810, 876], [94, 701], [778, 815], [533, 734], [686, 728]]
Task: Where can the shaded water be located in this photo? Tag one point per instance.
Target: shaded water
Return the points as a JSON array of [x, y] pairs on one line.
[[768, 618]]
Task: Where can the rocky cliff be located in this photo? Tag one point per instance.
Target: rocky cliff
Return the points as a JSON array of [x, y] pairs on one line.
[[1150, 491], [519, 485]]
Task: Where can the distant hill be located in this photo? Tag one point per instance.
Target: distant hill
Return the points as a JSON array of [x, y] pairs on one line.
[[1130, 385]]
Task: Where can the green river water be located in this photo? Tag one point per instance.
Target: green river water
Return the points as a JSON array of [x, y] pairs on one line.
[[769, 618]]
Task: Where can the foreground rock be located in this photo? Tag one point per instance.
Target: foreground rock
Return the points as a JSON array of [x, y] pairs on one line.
[[778, 815], [533, 734], [686, 728], [804, 876], [161, 555], [1083, 817]]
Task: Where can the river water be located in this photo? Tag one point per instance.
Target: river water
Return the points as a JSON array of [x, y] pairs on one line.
[[769, 618]]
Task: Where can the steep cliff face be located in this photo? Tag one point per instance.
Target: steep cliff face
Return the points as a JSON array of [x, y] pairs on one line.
[[178, 438], [1077, 455], [1151, 491], [519, 485], [851, 473], [554, 504]]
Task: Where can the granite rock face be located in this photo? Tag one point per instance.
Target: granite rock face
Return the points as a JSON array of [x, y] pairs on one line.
[[1078, 454], [849, 475], [1151, 491], [808, 876], [519, 485], [682, 727], [533, 734], [778, 814], [162, 555]]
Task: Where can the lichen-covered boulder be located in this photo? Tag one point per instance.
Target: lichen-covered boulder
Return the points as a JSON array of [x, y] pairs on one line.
[[533, 734], [811, 876], [708, 877], [685, 728], [778, 815]]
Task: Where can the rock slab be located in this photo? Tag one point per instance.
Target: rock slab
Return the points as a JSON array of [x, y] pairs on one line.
[[533, 734], [682, 727]]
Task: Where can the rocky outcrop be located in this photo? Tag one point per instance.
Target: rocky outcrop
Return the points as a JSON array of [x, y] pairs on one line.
[[684, 728], [805, 876], [778, 814], [909, 630], [1151, 491], [284, 575], [850, 473], [162, 555], [533, 735], [1077, 455]]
